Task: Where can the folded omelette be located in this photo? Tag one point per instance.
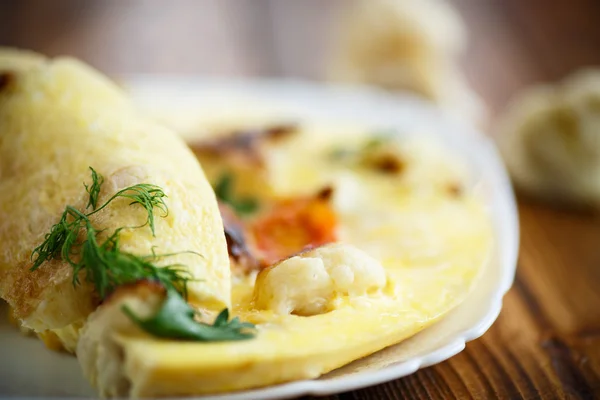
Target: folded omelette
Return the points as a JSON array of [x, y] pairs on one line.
[[318, 246], [57, 119]]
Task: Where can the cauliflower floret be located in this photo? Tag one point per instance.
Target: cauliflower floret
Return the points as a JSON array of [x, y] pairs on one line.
[[299, 285], [352, 271], [308, 283]]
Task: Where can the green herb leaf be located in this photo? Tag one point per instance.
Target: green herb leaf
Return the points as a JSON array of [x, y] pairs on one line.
[[224, 192], [339, 153], [148, 196], [246, 206], [60, 240], [378, 139], [176, 320], [373, 142], [106, 266], [63, 236], [223, 188], [94, 189]]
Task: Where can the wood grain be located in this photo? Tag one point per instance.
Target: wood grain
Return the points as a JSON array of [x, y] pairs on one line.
[[546, 342]]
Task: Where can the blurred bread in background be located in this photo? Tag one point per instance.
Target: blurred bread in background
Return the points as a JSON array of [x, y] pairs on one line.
[[17, 60], [550, 139], [406, 45]]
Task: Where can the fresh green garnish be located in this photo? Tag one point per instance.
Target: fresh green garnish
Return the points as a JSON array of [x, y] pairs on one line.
[[176, 320], [147, 195], [378, 139], [61, 240], [374, 142], [340, 153], [107, 267], [224, 192], [94, 189]]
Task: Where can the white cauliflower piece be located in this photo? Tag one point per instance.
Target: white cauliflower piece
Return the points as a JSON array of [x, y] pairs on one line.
[[308, 283], [299, 285], [352, 271]]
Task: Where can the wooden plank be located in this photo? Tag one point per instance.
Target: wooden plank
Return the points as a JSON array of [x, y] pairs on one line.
[[561, 35], [211, 37], [559, 261], [515, 43], [496, 63]]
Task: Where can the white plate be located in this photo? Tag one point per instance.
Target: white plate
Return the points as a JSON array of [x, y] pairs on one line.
[[33, 371]]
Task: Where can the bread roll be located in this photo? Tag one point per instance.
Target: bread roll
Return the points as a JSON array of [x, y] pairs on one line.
[[406, 45], [549, 139]]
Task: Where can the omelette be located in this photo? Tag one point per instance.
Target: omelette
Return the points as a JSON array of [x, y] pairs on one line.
[[294, 250], [57, 119]]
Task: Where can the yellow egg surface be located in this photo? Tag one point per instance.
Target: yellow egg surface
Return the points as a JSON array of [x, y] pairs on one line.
[[58, 118], [418, 225]]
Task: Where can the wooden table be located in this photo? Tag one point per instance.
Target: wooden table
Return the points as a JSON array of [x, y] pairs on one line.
[[546, 342]]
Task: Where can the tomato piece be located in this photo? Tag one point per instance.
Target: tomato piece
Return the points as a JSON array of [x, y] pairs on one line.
[[294, 225]]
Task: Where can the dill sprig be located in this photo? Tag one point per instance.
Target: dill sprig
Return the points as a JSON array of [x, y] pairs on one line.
[[106, 266], [94, 189], [58, 242], [148, 196], [61, 239]]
